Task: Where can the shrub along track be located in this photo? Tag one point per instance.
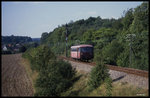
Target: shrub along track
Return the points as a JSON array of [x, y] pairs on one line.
[[15, 81], [116, 68]]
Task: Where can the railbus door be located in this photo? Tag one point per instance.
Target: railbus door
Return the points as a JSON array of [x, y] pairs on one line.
[[78, 53]]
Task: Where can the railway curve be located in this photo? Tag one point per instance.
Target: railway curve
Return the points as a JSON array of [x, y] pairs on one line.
[[132, 76]]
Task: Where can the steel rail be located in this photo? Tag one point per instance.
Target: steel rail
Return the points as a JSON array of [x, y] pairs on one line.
[[137, 72]]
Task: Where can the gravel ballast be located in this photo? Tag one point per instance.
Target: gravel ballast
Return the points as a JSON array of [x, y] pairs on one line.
[[116, 76]]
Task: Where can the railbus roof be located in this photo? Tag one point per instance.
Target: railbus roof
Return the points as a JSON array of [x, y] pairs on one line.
[[84, 45]]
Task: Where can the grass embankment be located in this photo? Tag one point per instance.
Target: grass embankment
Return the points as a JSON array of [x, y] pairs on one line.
[[80, 87], [32, 74]]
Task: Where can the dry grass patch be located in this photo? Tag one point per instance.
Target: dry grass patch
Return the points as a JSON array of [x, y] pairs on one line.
[[31, 74], [125, 89], [80, 88]]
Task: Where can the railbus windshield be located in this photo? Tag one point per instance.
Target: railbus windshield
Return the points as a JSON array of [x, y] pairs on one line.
[[86, 49]]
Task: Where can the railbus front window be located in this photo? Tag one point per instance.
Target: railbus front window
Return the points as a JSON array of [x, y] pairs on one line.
[[87, 49], [73, 49]]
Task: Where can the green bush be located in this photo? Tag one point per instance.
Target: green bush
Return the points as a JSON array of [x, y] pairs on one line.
[[51, 84], [112, 51], [30, 55], [98, 74], [123, 58], [55, 76], [22, 49], [108, 86]]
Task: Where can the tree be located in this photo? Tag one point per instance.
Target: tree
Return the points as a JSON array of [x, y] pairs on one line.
[[87, 36], [98, 74], [139, 27], [112, 51], [118, 24], [22, 49], [55, 76], [128, 19], [44, 36], [141, 19]]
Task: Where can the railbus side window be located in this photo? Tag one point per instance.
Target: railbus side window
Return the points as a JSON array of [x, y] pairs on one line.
[[79, 49], [73, 49]]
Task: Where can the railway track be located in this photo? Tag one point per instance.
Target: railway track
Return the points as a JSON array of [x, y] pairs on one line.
[[116, 68]]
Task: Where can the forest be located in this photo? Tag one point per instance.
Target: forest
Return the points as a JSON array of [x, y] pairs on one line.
[[121, 42]]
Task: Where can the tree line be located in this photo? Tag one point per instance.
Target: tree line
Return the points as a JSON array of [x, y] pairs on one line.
[[122, 42], [17, 44], [15, 39]]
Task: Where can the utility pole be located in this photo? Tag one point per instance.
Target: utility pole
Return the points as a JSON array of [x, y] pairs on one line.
[[129, 38], [66, 38]]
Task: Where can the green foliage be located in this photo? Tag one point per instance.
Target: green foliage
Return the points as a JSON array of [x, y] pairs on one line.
[[31, 45], [108, 86], [22, 49], [140, 59], [123, 58], [98, 74], [107, 23], [118, 24], [81, 30], [42, 57], [104, 34], [30, 55], [15, 39], [55, 76], [141, 19], [102, 38], [55, 80], [112, 51], [139, 26], [43, 37], [87, 36], [128, 19]]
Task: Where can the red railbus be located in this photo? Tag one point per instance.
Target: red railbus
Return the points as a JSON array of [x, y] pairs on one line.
[[82, 52]]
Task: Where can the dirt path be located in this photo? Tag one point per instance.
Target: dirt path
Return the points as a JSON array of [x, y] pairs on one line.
[[15, 81]]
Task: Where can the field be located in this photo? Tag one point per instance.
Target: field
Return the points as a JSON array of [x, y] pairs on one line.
[[15, 81]]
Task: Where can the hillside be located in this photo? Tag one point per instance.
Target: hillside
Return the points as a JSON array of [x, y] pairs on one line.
[[16, 44], [36, 40], [15, 39], [122, 42]]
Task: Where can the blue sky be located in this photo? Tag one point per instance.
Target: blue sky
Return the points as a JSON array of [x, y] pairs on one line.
[[33, 18]]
